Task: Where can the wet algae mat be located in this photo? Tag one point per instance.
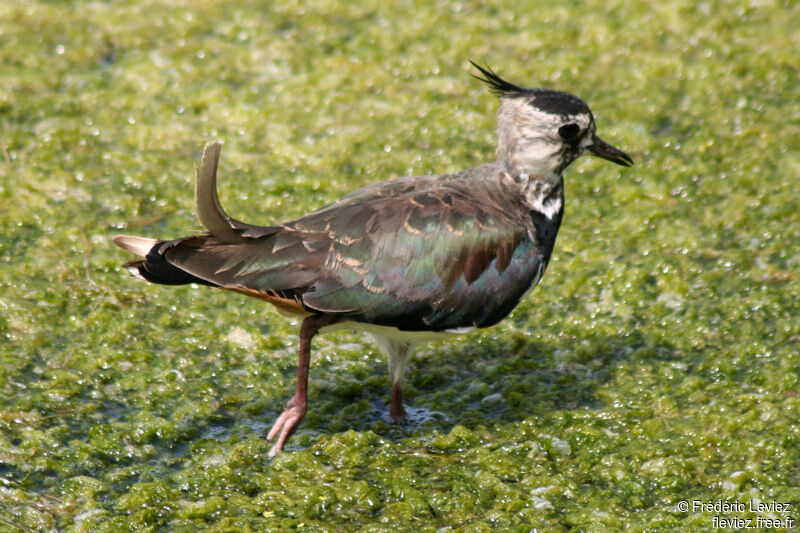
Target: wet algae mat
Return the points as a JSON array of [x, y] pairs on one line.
[[656, 364]]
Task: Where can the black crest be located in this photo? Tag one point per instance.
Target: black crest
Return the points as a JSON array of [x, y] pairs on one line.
[[548, 100], [498, 85]]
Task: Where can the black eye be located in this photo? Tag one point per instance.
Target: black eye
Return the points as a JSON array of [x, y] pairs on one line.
[[569, 131]]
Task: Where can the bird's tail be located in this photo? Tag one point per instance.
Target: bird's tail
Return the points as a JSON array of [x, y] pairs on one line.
[[155, 267]]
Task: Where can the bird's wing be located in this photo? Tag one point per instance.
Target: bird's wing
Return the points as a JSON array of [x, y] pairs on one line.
[[414, 254], [443, 257]]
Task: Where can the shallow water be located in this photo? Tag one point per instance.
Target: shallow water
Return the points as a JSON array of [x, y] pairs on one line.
[[656, 363]]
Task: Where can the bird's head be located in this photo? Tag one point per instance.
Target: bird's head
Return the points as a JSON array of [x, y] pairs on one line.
[[541, 131]]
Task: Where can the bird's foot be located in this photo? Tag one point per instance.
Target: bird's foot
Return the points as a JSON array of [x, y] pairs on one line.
[[287, 423], [398, 418]]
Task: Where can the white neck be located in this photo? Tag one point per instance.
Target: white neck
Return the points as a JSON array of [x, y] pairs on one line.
[[542, 194]]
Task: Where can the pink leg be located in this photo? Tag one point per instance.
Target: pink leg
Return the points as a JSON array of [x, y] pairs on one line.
[[396, 412], [295, 410]]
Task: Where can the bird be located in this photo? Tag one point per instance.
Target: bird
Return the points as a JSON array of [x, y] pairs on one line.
[[407, 260]]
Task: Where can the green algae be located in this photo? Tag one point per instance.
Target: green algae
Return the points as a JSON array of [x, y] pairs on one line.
[[657, 362]]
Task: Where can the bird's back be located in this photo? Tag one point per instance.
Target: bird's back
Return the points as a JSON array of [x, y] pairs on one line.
[[417, 253]]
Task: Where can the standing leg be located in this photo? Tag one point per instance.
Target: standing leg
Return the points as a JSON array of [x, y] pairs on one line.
[[397, 413], [296, 408], [398, 353]]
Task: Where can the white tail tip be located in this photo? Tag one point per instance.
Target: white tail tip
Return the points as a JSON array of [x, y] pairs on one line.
[[136, 245]]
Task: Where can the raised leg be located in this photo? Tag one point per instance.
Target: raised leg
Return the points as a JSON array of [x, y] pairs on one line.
[[295, 410]]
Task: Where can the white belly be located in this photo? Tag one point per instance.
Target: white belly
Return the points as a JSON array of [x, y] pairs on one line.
[[398, 345], [396, 335]]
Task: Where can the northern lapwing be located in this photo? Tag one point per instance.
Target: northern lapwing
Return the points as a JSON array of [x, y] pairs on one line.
[[406, 260]]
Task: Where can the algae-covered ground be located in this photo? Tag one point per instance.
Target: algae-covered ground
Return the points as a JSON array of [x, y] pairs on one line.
[[655, 366]]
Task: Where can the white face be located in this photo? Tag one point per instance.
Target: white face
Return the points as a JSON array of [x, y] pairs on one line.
[[540, 143]]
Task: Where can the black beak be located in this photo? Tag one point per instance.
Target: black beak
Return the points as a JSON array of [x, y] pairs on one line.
[[602, 149]]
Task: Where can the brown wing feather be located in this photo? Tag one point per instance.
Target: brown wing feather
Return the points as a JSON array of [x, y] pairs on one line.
[[284, 303]]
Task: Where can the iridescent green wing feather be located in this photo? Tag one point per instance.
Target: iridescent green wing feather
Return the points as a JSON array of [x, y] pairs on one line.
[[424, 253], [416, 253]]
